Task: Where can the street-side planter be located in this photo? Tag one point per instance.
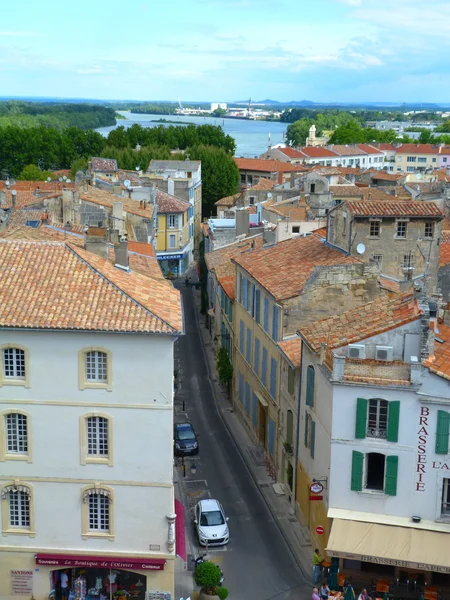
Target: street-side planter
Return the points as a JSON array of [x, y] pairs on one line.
[[208, 576]]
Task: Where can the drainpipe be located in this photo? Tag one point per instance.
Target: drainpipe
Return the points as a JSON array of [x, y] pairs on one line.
[[297, 441]]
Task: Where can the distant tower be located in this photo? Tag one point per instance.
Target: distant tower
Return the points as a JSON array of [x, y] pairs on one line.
[[270, 142], [311, 141]]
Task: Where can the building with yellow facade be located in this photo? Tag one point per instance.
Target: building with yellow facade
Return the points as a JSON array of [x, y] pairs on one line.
[[175, 234]]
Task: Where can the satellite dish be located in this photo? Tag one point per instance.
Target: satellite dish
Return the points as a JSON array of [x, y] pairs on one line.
[[269, 195], [127, 183], [49, 178], [360, 248], [7, 182], [68, 181], [13, 192], [419, 176]]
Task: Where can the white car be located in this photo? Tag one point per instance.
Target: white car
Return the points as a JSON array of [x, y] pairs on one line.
[[211, 523]]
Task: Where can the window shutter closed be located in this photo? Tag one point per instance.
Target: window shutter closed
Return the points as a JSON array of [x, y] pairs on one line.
[[361, 418], [357, 471], [310, 386], [393, 421], [442, 431], [306, 429], [313, 438], [390, 487]]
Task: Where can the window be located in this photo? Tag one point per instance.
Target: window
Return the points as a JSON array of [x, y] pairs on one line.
[[375, 472], [429, 230], [377, 418], [422, 159], [410, 169], [374, 229], [13, 363], [256, 357], [433, 160], [17, 508], [249, 345], [445, 506], [258, 305], [16, 433], [264, 367], [291, 380], [444, 160], [172, 221], [378, 258], [408, 262], [266, 314], [310, 377], [98, 512], [401, 229], [241, 336], [312, 188], [275, 323], [95, 368], [172, 240], [251, 200], [97, 436], [442, 432], [251, 306], [410, 159], [273, 377], [245, 293], [243, 178], [296, 229]]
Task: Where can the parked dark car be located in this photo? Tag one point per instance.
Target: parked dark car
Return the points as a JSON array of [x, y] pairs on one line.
[[184, 439]]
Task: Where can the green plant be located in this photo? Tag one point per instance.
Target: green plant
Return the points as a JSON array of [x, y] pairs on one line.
[[288, 448], [208, 575], [224, 366], [222, 592]]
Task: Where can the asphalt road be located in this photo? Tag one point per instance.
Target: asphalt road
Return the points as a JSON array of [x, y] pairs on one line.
[[257, 563]]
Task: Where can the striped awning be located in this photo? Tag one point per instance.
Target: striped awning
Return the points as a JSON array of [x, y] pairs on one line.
[[96, 491], [12, 487]]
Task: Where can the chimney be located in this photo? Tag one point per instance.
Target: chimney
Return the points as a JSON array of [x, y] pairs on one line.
[[95, 241], [13, 198], [170, 186], [121, 254], [118, 217], [2, 198]]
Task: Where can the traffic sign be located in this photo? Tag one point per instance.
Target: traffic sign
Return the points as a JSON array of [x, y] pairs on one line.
[[316, 487], [320, 530]]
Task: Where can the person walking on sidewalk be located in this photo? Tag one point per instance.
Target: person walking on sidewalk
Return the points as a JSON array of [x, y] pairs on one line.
[[317, 562]]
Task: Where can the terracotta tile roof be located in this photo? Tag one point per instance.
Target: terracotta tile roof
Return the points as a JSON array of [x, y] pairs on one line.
[[265, 166], [369, 149], [345, 190], [418, 149], [324, 171], [445, 234], [440, 362], [40, 186], [291, 212], [292, 350], [343, 150], [292, 153], [387, 147], [393, 209], [444, 250], [251, 209], [228, 201], [23, 198], [142, 248], [388, 284], [263, 184], [227, 284], [382, 314], [104, 198], [24, 216], [318, 152], [60, 286], [383, 176], [173, 165], [376, 194], [284, 268], [169, 204], [321, 233], [104, 164]]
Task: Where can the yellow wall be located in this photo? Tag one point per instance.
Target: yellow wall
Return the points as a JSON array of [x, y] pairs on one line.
[[313, 513], [402, 160], [162, 241]]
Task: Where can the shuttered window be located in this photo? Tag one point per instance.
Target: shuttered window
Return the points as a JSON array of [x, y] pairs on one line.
[[241, 336], [310, 382], [357, 471], [271, 437], [264, 367], [313, 438], [247, 397], [249, 345], [393, 421], [245, 294], [306, 433], [251, 307], [256, 357], [275, 323], [266, 314], [255, 410], [377, 418], [361, 418], [273, 377], [390, 487], [258, 305], [442, 432]]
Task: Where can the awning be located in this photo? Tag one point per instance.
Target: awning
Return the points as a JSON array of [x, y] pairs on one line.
[[180, 535], [262, 399], [405, 547], [108, 562]]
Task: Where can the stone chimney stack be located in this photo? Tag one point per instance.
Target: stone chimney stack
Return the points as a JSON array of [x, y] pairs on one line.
[[118, 217], [95, 241], [121, 254]]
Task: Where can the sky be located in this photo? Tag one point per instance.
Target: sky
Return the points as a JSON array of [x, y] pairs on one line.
[[227, 50]]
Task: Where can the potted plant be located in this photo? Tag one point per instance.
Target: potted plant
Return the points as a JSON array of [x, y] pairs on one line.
[[208, 576]]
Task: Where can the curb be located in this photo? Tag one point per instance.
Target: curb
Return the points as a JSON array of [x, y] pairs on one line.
[[242, 455]]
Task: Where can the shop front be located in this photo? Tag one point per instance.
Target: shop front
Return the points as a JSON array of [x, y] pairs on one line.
[[72, 577], [172, 265]]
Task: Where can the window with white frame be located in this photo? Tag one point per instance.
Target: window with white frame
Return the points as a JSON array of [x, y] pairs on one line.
[[98, 512], [172, 240], [408, 261], [19, 509], [16, 432], [96, 365], [97, 436], [377, 418], [401, 229], [429, 230], [172, 221], [13, 363]]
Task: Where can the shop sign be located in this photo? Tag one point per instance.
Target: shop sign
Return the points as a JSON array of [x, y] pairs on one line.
[[379, 560], [422, 448], [170, 257], [21, 582], [320, 530], [104, 562], [316, 488]]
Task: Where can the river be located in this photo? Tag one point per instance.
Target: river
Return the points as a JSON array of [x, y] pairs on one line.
[[252, 137]]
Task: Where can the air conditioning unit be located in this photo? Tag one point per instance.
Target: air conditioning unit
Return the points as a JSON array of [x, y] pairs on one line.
[[356, 351], [384, 353]]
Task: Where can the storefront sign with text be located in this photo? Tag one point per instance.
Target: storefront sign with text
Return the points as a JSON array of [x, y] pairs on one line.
[[21, 583], [422, 448], [390, 561], [155, 564]]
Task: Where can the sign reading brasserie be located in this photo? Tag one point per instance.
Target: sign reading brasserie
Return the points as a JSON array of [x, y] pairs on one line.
[[21, 582], [422, 448], [379, 560]]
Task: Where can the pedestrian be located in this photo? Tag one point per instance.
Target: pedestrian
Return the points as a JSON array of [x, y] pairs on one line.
[[315, 594], [325, 590], [317, 561], [349, 592], [64, 578], [364, 595]]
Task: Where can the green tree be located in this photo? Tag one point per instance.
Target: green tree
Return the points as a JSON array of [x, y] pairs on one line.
[[33, 173], [208, 576], [219, 112], [220, 175], [297, 132], [444, 128], [80, 164], [350, 133], [224, 367]]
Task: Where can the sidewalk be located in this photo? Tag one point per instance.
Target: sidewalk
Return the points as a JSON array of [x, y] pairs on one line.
[[295, 535]]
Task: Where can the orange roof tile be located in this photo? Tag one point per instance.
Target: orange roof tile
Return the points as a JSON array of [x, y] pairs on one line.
[[142, 248], [169, 204], [77, 290], [104, 198], [263, 184], [265, 166], [369, 149], [228, 200], [291, 212], [387, 176], [382, 314], [418, 149], [445, 235], [227, 283], [343, 150], [284, 268], [292, 350], [318, 152], [444, 251], [346, 190], [376, 194], [439, 363], [393, 209], [40, 186], [321, 232], [292, 153]]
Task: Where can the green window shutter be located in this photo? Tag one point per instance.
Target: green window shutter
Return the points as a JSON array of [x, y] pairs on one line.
[[361, 418], [442, 431], [357, 471], [313, 438], [390, 484], [393, 421], [310, 386], [306, 429]]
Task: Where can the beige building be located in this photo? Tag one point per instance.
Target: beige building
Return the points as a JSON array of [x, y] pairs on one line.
[[416, 157]]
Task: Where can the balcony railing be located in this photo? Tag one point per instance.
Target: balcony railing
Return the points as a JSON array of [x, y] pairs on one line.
[[371, 371]]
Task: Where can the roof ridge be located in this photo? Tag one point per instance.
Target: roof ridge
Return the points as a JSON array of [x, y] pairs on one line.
[[100, 274]]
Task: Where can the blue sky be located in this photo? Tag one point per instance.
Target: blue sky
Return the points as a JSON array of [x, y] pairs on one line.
[[225, 50]]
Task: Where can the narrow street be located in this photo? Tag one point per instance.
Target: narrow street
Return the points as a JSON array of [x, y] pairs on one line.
[[257, 563]]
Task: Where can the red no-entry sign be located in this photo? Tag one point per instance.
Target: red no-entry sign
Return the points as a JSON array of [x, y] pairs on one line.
[[320, 530]]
